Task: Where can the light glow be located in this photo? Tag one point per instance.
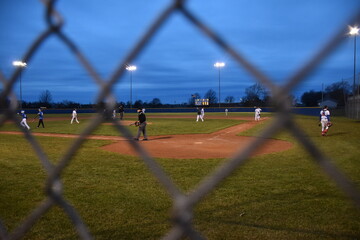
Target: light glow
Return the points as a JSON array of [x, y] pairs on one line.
[[219, 64], [19, 64], [354, 30], [131, 68]]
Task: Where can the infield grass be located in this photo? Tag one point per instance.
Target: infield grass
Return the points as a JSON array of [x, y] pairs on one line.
[[276, 196], [156, 126]]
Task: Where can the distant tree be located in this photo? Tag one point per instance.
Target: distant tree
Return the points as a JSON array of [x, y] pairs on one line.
[[255, 95], [121, 103], [67, 104], [338, 91], [45, 98], [311, 98], [229, 99], [193, 97], [138, 104], [156, 102], [256, 91], [211, 95]]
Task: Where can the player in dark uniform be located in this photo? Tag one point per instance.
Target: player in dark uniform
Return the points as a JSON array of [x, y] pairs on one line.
[[41, 118], [142, 125], [121, 111]]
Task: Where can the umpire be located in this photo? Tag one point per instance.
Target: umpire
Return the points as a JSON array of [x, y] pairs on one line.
[[121, 111], [142, 125]]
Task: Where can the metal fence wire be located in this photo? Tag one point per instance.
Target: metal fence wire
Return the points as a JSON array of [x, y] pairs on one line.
[[183, 204]]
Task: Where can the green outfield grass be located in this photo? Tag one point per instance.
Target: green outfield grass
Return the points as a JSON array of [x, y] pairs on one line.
[[276, 196], [156, 126]]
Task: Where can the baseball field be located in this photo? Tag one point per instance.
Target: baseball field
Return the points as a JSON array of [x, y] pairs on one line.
[[280, 193]]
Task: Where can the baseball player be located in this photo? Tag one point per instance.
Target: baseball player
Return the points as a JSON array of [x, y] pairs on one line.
[[199, 116], [325, 120], [326, 111], [226, 112], [142, 125], [23, 122], [121, 112], [202, 114], [257, 113], [41, 118], [74, 116]]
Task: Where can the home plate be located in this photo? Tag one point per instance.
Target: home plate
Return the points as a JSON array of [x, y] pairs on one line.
[[198, 142]]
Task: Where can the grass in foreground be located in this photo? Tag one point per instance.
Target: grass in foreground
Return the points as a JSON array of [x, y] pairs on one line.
[[276, 196]]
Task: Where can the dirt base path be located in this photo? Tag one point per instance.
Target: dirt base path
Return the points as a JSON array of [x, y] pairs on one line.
[[220, 144]]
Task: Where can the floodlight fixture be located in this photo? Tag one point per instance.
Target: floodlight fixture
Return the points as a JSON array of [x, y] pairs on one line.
[[131, 68], [354, 31], [219, 65], [21, 65]]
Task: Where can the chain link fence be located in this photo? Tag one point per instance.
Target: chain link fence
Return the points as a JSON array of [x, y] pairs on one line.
[[183, 204], [352, 104], [352, 108]]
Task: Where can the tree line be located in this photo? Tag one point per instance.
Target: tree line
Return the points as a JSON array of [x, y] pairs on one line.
[[338, 91], [255, 95]]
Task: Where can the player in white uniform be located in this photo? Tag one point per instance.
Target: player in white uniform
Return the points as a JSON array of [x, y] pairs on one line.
[[74, 116], [324, 120], [199, 116], [257, 113], [23, 121], [202, 114]]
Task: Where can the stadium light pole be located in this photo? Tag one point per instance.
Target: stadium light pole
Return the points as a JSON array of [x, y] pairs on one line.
[[21, 65], [354, 31], [131, 68], [219, 65]]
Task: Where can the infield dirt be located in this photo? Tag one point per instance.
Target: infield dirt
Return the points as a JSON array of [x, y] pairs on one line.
[[219, 144]]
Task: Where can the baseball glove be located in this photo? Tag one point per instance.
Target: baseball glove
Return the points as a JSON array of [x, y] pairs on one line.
[[329, 124], [137, 123]]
